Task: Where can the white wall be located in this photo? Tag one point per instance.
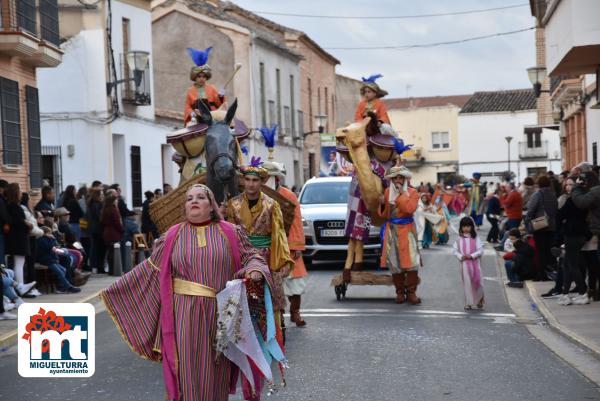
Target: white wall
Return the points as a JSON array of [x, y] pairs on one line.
[[78, 84], [592, 127], [140, 30], [73, 102], [573, 23], [274, 59], [483, 147]]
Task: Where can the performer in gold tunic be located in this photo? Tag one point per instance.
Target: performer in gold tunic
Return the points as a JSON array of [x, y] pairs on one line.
[[262, 220]]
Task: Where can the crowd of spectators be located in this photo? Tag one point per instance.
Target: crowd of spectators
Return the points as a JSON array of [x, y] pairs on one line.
[[72, 235]]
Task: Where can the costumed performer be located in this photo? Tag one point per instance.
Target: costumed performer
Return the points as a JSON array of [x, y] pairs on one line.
[[165, 308], [477, 192], [468, 248], [294, 285], [201, 89], [400, 251], [260, 216], [371, 102]]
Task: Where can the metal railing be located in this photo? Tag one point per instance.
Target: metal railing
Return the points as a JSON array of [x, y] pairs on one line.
[[131, 91], [532, 150]]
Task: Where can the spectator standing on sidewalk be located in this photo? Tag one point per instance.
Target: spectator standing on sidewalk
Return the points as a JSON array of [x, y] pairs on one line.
[[586, 195], [4, 220], [71, 203], [543, 203], [571, 221], [148, 227], [46, 204], [512, 202], [35, 233], [526, 190], [112, 226], [493, 215], [94, 212], [17, 239]]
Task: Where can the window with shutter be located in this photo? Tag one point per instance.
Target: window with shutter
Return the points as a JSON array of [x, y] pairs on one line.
[[136, 176], [49, 21], [11, 122], [34, 137], [26, 16]]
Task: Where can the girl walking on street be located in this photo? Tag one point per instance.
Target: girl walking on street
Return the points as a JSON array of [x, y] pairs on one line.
[[469, 249]]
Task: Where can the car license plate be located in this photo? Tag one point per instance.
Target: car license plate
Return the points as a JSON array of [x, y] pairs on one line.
[[332, 233]]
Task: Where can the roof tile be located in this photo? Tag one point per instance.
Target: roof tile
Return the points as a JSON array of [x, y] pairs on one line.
[[507, 100]]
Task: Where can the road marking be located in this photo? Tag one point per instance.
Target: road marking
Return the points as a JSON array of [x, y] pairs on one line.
[[395, 311]]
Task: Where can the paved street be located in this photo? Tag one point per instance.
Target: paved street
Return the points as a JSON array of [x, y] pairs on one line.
[[365, 348]]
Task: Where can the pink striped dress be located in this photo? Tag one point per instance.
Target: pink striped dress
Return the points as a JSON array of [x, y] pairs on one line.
[[201, 254]]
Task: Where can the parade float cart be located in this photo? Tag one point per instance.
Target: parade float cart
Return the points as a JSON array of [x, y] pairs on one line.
[[365, 146]]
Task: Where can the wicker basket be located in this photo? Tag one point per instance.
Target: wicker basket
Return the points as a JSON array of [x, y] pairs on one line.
[[288, 209], [168, 210]]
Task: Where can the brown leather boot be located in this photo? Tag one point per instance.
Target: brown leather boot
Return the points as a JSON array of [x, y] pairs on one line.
[[412, 282], [399, 284], [356, 267], [295, 311], [347, 276]]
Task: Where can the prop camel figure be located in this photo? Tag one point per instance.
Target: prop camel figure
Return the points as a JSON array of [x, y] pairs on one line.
[[371, 187], [355, 138]]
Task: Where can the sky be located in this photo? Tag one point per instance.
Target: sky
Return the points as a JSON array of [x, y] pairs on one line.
[[490, 64]]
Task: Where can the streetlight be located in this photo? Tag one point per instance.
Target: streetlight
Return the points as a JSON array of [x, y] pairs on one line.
[[508, 139], [137, 60], [320, 121], [537, 75]]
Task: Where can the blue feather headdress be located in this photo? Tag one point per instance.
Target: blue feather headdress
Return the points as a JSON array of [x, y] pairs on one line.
[[255, 168], [199, 57], [269, 134], [400, 147], [371, 79]]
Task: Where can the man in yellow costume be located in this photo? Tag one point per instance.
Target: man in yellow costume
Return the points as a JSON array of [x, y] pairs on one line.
[[294, 285], [260, 216]]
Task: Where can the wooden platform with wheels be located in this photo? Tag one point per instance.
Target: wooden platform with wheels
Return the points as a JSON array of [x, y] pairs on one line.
[[359, 278]]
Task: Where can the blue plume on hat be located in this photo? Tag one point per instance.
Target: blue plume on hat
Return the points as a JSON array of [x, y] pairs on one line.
[[199, 57], [244, 149], [269, 135], [255, 161], [372, 78], [400, 147]]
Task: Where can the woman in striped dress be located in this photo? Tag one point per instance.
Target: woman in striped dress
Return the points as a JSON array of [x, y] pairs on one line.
[[166, 309]]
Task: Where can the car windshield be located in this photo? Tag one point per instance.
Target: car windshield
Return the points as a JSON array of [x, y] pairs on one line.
[[325, 192]]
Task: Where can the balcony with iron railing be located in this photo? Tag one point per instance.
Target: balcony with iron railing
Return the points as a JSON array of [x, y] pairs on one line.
[[137, 86], [528, 150], [29, 30]]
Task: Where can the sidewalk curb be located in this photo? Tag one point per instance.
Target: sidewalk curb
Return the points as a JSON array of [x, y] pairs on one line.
[[554, 324], [10, 338]]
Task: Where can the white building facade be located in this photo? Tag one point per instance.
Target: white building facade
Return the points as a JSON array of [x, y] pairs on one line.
[[89, 133], [485, 123]]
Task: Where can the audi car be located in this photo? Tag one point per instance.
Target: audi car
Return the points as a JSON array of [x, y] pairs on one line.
[[324, 205]]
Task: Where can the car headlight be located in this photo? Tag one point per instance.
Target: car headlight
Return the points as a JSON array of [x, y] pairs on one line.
[[305, 223]]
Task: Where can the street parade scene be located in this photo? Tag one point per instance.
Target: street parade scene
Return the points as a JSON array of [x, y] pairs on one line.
[[209, 200]]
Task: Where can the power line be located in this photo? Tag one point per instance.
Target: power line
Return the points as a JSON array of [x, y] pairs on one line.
[[406, 47], [483, 10]]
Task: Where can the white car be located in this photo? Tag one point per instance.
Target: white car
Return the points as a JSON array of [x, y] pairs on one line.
[[324, 205]]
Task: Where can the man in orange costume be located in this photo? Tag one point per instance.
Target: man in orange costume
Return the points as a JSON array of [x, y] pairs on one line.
[[400, 245], [201, 89], [371, 103], [295, 284]]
